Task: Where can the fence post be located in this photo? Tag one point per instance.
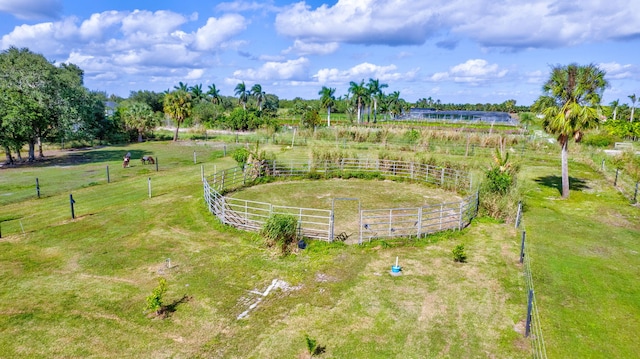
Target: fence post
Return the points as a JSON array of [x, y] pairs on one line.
[[108, 179], [194, 157], [71, 202], [519, 214], [603, 165], [149, 185], [38, 184], [419, 224], [527, 327], [156, 163], [635, 194], [202, 172], [524, 234], [442, 178], [615, 182], [460, 219]]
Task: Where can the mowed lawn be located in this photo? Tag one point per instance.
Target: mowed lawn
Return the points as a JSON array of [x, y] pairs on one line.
[[77, 288], [585, 254]]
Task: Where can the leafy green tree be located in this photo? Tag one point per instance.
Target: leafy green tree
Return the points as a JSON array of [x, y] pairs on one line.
[[568, 104], [310, 117], [177, 105], [327, 99], [40, 101], [153, 99]]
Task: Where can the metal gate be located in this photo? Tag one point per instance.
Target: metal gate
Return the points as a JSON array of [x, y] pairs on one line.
[[340, 232]]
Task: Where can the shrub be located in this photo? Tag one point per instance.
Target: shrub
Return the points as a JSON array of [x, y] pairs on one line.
[[240, 155], [281, 229], [154, 300], [458, 254], [498, 181]]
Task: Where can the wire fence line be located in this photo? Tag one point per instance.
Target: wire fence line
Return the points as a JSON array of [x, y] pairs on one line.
[[623, 181], [320, 223], [533, 325]]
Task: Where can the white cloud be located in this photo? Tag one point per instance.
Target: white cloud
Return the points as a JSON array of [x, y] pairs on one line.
[[151, 23], [473, 71], [364, 71], [97, 25], [217, 31], [32, 9], [617, 71], [273, 71], [194, 74], [240, 6], [309, 48], [46, 37], [394, 22], [505, 24], [536, 77]]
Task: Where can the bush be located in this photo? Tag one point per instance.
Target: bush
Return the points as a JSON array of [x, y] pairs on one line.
[[458, 254], [281, 229], [498, 181], [599, 139], [240, 155], [154, 300]]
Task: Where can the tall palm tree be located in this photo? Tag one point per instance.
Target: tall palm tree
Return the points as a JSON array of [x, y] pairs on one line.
[[327, 99], [139, 115], [177, 105], [358, 92], [214, 93], [633, 106], [196, 93], [375, 91], [568, 104], [614, 105], [243, 94], [256, 91], [395, 105], [181, 86]]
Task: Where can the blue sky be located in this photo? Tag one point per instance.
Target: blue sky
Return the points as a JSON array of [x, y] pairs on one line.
[[459, 51]]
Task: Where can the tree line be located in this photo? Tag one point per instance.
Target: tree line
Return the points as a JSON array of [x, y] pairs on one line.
[[41, 102]]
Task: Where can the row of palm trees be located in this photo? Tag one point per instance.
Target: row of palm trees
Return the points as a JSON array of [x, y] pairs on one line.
[[615, 105]]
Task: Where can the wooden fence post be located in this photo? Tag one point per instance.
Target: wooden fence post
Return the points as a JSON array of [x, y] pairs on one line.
[[615, 182]]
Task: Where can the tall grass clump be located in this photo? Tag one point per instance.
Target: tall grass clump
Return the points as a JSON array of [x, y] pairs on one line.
[[281, 230], [499, 192]]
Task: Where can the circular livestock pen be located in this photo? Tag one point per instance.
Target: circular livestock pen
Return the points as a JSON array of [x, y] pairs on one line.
[[320, 223]]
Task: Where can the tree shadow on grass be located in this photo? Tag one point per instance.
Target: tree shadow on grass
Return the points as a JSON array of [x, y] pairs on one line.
[[575, 184], [166, 310], [83, 156]]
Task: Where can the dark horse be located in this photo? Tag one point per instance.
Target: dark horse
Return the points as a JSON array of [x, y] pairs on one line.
[[147, 159]]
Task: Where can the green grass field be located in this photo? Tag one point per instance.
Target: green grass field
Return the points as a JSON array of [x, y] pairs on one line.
[[77, 288]]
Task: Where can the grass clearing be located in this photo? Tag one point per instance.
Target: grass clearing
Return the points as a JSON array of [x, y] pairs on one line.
[[77, 288], [74, 288]]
